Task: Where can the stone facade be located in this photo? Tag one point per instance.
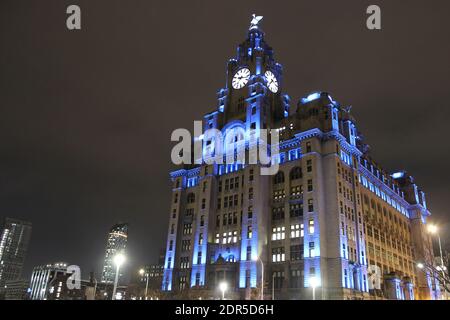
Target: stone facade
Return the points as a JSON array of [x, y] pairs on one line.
[[331, 213]]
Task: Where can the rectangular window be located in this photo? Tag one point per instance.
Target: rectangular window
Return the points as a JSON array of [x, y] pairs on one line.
[[311, 226], [311, 250], [310, 205], [187, 228], [186, 245], [278, 213], [296, 252], [296, 278], [278, 233], [250, 212], [309, 165], [203, 203], [278, 254], [310, 185], [296, 210], [295, 231], [197, 279]]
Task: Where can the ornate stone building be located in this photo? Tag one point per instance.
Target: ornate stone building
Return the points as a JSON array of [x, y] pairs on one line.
[[330, 215]]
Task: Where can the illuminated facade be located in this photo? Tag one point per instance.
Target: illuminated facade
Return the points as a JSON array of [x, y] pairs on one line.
[[330, 213], [116, 243], [14, 239], [44, 281]]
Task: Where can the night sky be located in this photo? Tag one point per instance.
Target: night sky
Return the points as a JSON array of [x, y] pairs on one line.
[[86, 116]]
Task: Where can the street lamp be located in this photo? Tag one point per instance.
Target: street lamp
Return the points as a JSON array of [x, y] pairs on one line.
[[223, 286], [273, 286], [142, 272], [433, 229], [119, 259], [313, 283], [262, 276], [420, 265]]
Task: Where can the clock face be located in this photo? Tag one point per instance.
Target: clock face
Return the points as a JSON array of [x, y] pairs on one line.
[[241, 77], [272, 82]]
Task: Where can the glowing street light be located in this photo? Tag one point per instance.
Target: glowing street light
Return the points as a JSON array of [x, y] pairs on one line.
[[223, 286], [142, 273], [313, 282], [119, 260], [262, 276], [433, 229], [420, 265]]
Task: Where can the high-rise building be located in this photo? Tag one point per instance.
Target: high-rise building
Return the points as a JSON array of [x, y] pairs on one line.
[[116, 243], [16, 289], [14, 239], [46, 281], [330, 218]]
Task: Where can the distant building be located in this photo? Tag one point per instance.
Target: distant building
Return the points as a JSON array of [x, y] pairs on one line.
[[16, 289], [49, 282], [14, 238], [117, 241], [154, 272], [46, 281]]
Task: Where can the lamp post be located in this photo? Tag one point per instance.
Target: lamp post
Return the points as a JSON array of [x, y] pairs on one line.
[[433, 229], [95, 288], [223, 286], [142, 272], [119, 259], [313, 284], [262, 276], [273, 286]]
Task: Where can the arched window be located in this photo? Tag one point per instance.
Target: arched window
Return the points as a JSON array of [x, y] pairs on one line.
[[190, 198], [296, 173], [279, 177]]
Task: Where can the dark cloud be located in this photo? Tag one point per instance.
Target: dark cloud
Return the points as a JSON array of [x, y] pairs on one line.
[[86, 116]]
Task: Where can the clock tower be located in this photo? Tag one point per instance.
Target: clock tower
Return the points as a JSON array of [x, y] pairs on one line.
[[254, 85]]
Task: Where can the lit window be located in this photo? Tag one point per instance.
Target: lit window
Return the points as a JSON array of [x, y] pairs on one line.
[[295, 231], [278, 233], [234, 236], [278, 254], [249, 232], [311, 226]]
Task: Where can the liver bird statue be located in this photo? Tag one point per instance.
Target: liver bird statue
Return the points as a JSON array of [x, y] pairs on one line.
[[255, 21]]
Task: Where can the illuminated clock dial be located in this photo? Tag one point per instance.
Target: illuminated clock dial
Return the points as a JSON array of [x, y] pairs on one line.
[[272, 82], [240, 79]]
